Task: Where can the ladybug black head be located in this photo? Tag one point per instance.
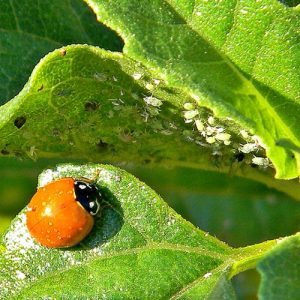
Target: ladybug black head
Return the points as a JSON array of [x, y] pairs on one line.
[[88, 196]]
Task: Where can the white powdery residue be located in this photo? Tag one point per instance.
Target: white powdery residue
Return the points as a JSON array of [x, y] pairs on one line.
[[68, 168], [207, 275], [20, 275], [118, 178], [156, 81], [19, 237], [106, 176], [97, 251], [171, 221], [5, 286], [47, 176], [69, 256]]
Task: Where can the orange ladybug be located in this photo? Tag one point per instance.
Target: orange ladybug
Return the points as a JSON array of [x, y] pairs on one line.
[[60, 214]]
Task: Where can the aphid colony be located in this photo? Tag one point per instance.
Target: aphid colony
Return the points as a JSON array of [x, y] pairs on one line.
[[213, 133]]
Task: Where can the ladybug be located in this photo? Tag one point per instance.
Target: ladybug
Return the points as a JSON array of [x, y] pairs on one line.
[[60, 214]]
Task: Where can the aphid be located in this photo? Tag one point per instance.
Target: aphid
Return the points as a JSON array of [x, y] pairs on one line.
[[190, 114], [137, 76], [249, 147], [150, 100], [199, 125], [223, 136], [211, 120], [261, 161], [244, 134], [210, 139], [188, 106]]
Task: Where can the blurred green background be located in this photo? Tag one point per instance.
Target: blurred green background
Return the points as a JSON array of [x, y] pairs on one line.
[[238, 211]]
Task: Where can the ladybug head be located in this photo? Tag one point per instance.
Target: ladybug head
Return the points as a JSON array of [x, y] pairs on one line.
[[88, 196]]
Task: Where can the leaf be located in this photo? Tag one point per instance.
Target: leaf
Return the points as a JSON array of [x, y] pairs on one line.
[[29, 30], [226, 54], [280, 271], [4, 223], [139, 249], [86, 100]]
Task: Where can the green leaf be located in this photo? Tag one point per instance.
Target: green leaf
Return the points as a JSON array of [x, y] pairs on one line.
[[280, 271], [139, 249], [90, 97], [30, 29], [4, 223], [226, 54]]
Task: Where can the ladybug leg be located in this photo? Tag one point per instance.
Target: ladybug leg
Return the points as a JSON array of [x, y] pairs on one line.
[[92, 180]]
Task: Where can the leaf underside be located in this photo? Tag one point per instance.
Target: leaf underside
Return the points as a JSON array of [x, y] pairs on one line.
[[239, 58]]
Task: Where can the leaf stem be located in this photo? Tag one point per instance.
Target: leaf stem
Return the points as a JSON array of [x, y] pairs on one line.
[[249, 256]]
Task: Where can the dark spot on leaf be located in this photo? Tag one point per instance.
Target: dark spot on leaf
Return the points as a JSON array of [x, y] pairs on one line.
[[55, 132], [4, 152], [20, 121], [102, 146], [91, 106], [169, 90], [252, 97], [18, 154], [239, 156], [147, 161], [63, 52], [40, 88]]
